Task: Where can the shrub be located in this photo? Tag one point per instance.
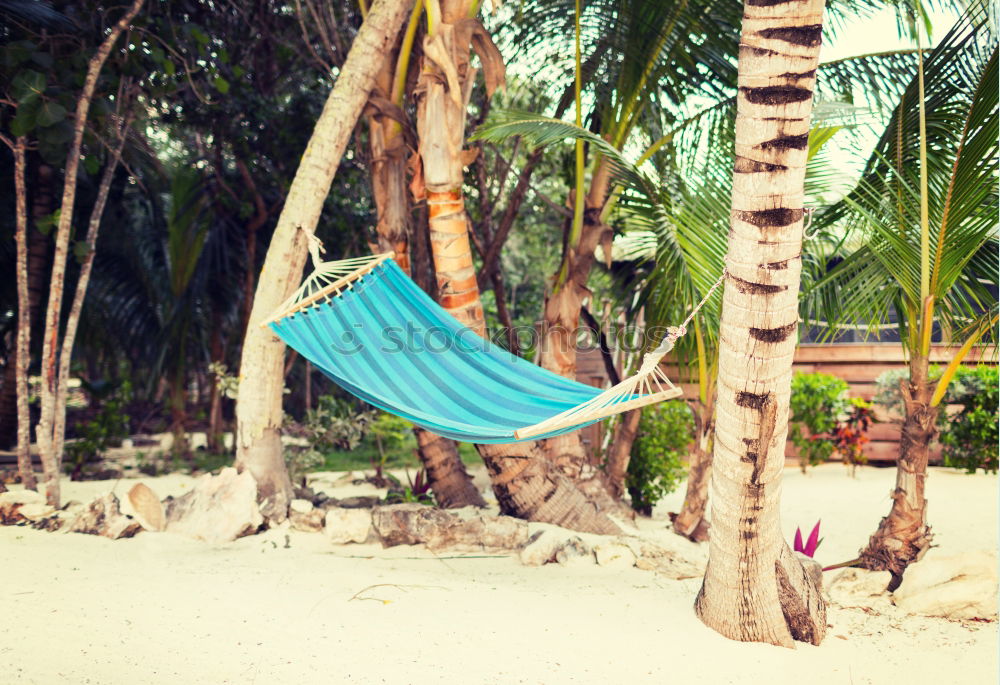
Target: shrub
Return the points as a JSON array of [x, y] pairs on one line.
[[970, 438], [818, 404], [656, 463], [105, 429], [335, 424]]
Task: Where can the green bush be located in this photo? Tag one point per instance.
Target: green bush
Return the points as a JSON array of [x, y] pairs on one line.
[[656, 465], [105, 429], [818, 404], [335, 424], [970, 437]]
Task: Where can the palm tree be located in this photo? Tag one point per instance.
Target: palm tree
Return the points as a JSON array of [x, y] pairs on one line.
[[755, 589], [925, 214]]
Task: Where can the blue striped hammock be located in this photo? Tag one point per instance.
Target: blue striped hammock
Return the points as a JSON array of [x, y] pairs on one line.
[[376, 334]]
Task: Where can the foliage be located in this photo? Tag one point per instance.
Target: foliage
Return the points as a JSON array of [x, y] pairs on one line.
[[818, 403], [970, 441], [656, 466], [925, 256], [389, 432], [105, 429], [418, 490], [335, 424], [849, 435]]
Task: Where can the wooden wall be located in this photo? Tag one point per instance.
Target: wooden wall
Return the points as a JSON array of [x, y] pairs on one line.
[[857, 363]]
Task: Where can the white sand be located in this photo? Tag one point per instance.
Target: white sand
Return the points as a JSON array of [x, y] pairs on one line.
[[161, 609]]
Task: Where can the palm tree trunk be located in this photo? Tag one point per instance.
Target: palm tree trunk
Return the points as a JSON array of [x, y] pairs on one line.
[[50, 444], [258, 408], [621, 451], [529, 490], [755, 589], [904, 536], [690, 520], [446, 474]]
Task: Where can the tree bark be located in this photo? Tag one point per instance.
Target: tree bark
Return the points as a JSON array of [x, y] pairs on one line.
[[49, 444], [86, 266], [621, 452], [23, 354], [529, 486], [557, 348], [258, 407], [446, 474], [450, 482], [755, 589], [904, 536], [524, 489], [690, 520]]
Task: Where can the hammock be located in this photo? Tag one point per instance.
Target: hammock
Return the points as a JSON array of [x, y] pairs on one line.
[[376, 334]]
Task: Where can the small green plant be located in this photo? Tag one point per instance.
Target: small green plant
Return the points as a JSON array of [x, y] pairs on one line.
[[104, 429], [970, 438], [390, 433], [818, 403], [335, 424], [656, 465], [418, 490]]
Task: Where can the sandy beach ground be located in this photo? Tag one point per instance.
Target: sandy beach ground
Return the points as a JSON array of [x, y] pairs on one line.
[[289, 607]]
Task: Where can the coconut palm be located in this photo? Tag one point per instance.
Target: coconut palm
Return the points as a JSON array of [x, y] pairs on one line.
[[925, 214]]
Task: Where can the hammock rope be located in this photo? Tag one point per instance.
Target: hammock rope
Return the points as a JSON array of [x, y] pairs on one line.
[[472, 390]]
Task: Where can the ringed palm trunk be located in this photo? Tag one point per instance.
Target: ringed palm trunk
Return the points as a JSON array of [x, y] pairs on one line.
[[904, 536], [446, 474], [258, 408], [526, 485], [690, 521], [755, 589]]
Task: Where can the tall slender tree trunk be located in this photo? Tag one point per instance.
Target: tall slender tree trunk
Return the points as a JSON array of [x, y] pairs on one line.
[[446, 474], [620, 452], [50, 444], [23, 352], [904, 536], [258, 407], [557, 348], [83, 280], [525, 486], [690, 521], [755, 589]]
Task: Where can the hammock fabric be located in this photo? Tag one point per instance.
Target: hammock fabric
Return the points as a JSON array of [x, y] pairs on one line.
[[376, 334]]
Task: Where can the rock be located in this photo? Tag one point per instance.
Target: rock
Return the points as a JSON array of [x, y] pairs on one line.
[[17, 506], [308, 522], [103, 516], [652, 557], [957, 586], [411, 524], [147, 507], [575, 552], [301, 506], [218, 509], [857, 587], [541, 548], [644, 564], [343, 525], [614, 555]]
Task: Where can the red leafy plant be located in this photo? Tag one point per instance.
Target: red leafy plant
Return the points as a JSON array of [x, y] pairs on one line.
[[809, 549]]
